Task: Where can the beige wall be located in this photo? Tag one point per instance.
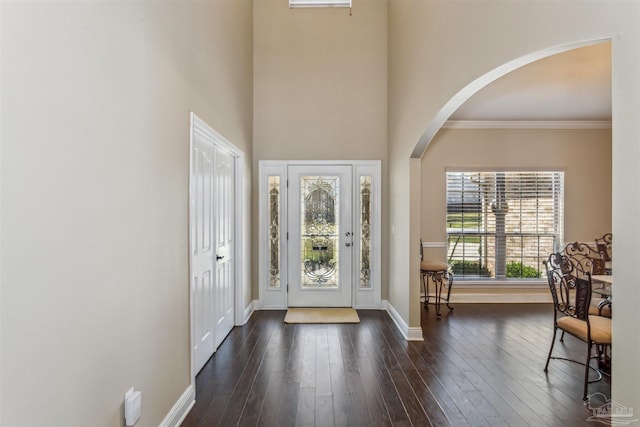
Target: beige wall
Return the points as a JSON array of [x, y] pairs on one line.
[[95, 161], [95, 101], [436, 49], [320, 80], [584, 156]]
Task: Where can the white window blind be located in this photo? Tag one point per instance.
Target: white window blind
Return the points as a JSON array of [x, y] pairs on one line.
[[503, 225]]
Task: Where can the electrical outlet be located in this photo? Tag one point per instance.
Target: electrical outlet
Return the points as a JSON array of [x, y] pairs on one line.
[[132, 406]]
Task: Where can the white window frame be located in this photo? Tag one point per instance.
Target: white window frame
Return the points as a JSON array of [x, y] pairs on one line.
[[507, 282]]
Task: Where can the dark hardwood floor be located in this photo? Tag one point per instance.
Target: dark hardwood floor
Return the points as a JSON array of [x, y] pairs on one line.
[[481, 365]]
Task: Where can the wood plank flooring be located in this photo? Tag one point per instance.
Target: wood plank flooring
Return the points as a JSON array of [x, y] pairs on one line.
[[480, 365]]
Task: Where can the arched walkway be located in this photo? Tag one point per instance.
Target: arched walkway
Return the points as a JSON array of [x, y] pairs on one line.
[[469, 90]]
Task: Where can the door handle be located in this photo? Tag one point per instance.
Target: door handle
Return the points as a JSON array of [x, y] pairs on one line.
[[218, 257], [347, 244]]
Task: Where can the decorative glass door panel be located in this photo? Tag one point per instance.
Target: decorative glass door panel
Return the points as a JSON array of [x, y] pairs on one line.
[[321, 238], [365, 232], [319, 230]]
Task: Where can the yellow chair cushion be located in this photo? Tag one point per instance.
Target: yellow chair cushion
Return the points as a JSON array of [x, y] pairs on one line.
[[606, 310], [600, 328], [430, 265]]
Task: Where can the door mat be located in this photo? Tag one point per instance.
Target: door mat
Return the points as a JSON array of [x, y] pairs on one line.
[[321, 315]]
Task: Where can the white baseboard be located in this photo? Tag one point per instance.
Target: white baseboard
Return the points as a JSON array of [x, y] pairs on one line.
[[410, 334], [248, 311], [258, 307], [370, 307], [181, 409], [270, 307]]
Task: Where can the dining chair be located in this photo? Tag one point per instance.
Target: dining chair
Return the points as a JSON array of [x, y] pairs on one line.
[[569, 279], [604, 246], [591, 261]]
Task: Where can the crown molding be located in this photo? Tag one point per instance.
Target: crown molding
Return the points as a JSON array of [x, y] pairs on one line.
[[527, 124]]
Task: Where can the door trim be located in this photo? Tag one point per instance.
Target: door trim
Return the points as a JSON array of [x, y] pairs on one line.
[[201, 128], [276, 299]]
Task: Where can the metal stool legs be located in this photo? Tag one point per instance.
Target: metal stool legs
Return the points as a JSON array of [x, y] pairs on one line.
[[438, 278]]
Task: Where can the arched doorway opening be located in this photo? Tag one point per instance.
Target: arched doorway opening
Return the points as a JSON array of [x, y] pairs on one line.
[[473, 87], [505, 156]]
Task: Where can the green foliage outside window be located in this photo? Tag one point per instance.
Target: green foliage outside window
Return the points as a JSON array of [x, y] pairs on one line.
[[470, 268], [518, 270]]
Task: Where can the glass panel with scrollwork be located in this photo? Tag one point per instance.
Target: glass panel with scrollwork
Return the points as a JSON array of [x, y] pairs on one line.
[[319, 231], [365, 232], [274, 232]]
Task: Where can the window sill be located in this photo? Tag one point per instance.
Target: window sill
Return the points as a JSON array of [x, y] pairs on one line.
[[498, 284]]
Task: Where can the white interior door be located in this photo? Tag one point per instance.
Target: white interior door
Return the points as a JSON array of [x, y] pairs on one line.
[[320, 240], [212, 245], [224, 246], [202, 249]]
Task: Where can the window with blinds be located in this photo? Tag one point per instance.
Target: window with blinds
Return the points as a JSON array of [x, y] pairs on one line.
[[503, 225]]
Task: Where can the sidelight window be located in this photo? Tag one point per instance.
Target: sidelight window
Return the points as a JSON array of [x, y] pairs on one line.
[[274, 232]]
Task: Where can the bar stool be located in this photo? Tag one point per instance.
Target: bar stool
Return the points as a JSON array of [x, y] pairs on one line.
[[441, 275]]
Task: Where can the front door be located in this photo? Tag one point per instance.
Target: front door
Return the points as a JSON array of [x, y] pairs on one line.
[[320, 239]]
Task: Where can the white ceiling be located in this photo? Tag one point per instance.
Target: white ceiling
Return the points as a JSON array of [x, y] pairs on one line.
[[575, 85]]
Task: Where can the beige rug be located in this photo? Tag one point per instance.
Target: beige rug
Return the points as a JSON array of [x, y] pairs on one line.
[[321, 315]]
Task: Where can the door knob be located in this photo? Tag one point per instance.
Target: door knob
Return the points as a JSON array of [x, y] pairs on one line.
[[218, 257], [347, 244]]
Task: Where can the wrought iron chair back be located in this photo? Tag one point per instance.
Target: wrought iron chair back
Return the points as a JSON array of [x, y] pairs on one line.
[[604, 245], [585, 255], [570, 285]]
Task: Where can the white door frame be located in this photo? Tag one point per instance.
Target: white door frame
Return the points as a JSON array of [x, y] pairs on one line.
[[199, 127], [275, 298]]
